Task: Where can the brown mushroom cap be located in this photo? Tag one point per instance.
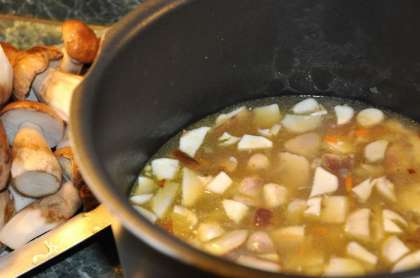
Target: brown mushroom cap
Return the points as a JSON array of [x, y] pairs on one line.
[[80, 41], [16, 113], [5, 159], [6, 77], [28, 64]]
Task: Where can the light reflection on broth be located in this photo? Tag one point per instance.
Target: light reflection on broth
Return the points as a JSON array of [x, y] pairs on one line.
[[313, 186]]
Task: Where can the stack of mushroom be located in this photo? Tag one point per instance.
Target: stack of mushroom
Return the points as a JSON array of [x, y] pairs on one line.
[[39, 181]]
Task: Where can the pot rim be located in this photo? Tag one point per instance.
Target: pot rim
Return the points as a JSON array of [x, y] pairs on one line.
[[139, 20]]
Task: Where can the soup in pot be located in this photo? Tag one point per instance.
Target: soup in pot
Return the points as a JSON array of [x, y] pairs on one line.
[[315, 186]]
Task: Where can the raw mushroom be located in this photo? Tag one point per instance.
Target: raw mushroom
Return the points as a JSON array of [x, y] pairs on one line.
[[40, 217], [10, 51], [5, 159], [6, 77], [80, 46], [28, 65], [20, 201], [33, 128], [68, 165], [7, 207]]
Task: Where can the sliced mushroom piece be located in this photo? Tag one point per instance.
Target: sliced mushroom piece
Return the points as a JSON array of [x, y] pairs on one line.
[[56, 89], [28, 65], [40, 217], [6, 77], [69, 166], [344, 114], [191, 140], [393, 249], [307, 144], [324, 182], [80, 46]]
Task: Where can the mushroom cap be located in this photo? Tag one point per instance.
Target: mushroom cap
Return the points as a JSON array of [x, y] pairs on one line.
[[80, 41], [10, 51], [16, 113], [5, 159], [29, 64], [6, 77]]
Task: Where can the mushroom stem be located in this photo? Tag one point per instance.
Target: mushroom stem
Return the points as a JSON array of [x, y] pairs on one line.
[[40, 217], [55, 88], [20, 201], [7, 208], [68, 165], [35, 170], [69, 65], [6, 77]]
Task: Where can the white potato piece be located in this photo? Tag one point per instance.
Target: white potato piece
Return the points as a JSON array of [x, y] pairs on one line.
[[266, 116], [274, 195], [408, 262], [146, 213], [393, 249], [236, 211], [295, 210], [290, 236], [253, 262], [192, 187], [358, 224], [307, 144], [270, 132], [314, 207], [392, 222], [226, 243], [375, 151], [370, 117], [187, 214], [334, 209], [324, 182], [219, 183], [145, 185], [344, 114], [386, 188], [258, 161], [253, 142], [222, 118], [359, 252], [227, 139], [141, 199], [301, 123], [209, 230], [363, 190], [164, 199], [306, 106], [343, 267], [165, 168], [251, 186], [260, 242], [293, 170], [192, 140]]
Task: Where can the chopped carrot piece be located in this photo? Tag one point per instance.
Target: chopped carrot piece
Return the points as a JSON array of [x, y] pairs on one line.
[[348, 183], [361, 132], [332, 139]]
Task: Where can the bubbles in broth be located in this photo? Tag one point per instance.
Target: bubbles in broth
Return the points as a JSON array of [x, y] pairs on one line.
[[319, 186]]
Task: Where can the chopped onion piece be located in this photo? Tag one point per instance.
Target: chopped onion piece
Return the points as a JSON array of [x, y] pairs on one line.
[[343, 267], [370, 117], [391, 220], [386, 188], [260, 242], [192, 140], [165, 168], [301, 123], [144, 186], [375, 151], [344, 114], [266, 116], [219, 183], [274, 195], [236, 211], [306, 106], [192, 187], [164, 199], [227, 139], [141, 199], [146, 213], [408, 262], [222, 118], [324, 182], [307, 144], [208, 231], [393, 249], [357, 224], [359, 252], [253, 262], [314, 207], [334, 209], [252, 142], [258, 161], [363, 190], [227, 242], [187, 214]]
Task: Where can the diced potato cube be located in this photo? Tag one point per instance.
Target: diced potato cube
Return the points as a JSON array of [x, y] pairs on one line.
[[386, 188], [391, 222], [164, 199], [141, 199], [236, 211], [306, 106], [301, 123], [192, 140], [344, 114], [359, 252], [375, 151], [183, 220], [324, 182], [253, 142], [393, 249], [295, 210], [343, 267], [192, 187], [370, 117], [274, 195], [266, 116], [145, 186], [334, 209], [363, 190], [289, 237], [357, 224], [165, 168], [307, 144], [314, 207], [258, 161], [293, 170], [219, 183]]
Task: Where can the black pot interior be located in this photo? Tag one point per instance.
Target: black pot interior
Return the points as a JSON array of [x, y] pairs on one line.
[[157, 77]]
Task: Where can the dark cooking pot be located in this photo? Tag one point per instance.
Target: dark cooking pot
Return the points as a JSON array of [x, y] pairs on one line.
[[169, 63]]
